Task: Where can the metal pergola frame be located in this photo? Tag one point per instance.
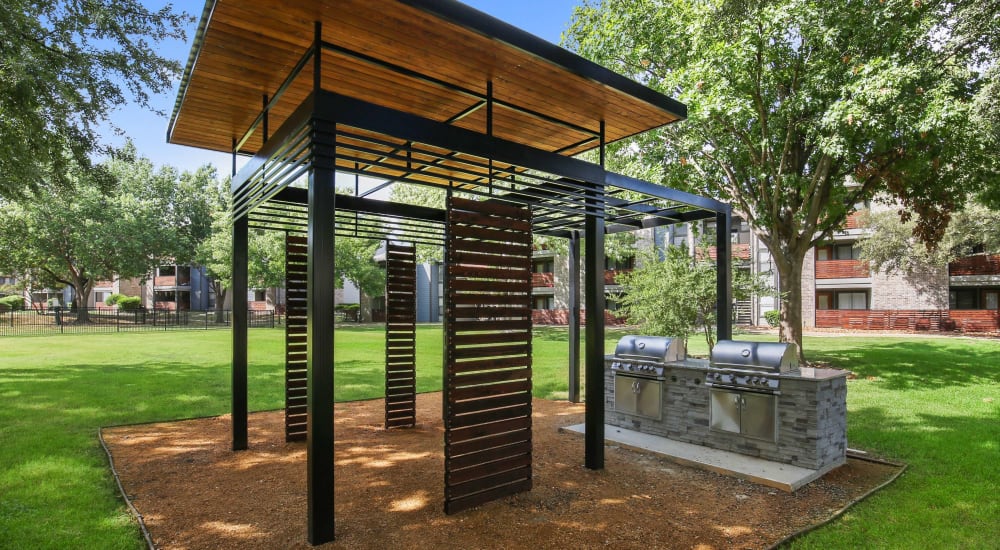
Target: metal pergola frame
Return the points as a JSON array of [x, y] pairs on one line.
[[330, 132]]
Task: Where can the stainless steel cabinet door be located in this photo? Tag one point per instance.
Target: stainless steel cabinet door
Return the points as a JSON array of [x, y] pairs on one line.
[[758, 419], [725, 414]]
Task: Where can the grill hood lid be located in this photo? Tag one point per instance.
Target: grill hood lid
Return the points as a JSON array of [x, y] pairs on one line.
[[661, 349], [769, 356]]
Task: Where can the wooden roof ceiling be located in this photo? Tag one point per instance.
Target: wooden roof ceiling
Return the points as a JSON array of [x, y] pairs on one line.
[[545, 96]]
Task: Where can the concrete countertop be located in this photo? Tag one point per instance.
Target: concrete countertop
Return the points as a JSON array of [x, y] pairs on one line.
[[802, 373]]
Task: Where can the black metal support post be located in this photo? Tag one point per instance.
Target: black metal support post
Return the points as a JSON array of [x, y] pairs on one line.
[[594, 304], [239, 365], [320, 331], [723, 281], [574, 317]]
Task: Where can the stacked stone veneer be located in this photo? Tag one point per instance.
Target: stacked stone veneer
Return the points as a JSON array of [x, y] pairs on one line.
[[811, 413]]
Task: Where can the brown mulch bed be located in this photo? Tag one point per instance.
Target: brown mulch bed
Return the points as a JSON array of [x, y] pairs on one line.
[[193, 492]]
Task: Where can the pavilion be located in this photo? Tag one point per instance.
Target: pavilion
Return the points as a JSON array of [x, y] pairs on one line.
[[429, 92]]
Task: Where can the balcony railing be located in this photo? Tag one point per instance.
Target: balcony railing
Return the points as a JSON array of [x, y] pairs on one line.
[[974, 320], [842, 269], [738, 251], [980, 264], [542, 280], [171, 280], [854, 221]]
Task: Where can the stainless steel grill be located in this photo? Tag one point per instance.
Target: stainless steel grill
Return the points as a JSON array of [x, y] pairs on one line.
[[638, 366], [750, 365], [744, 379], [645, 355]]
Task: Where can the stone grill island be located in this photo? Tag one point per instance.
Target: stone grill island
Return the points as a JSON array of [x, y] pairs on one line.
[[762, 404]]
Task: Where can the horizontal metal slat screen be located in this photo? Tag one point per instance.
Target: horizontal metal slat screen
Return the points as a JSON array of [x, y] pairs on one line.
[[488, 353], [400, 335], [295, 337]]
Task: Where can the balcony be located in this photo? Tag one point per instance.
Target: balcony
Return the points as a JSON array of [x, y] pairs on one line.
[[854, 221], [542, 280], [611, 275], [980, 264], [842, 269], [171, 280], [737, 251]]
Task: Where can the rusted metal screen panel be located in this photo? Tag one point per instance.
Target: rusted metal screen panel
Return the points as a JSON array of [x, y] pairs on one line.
[[400, 335], [295, 337], [487, 389]]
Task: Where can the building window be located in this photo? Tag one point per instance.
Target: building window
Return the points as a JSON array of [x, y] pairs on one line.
[[619, 264], [100, 296], [546, 265], [851, 300], [846, 252], [964, 299], [992, 299], [741, 233], [166, 270], [543, 302], [679, 235], [260, 295]]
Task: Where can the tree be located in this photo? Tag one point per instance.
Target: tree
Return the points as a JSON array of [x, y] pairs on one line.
[[215, 254], [64, 67], [676, 294], [798, 110], [77, 235], [891, 247]]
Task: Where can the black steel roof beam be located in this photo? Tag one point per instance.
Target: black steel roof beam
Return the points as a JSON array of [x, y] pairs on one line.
[[451, 120], [361, 114], [298, 195], [659, 191]]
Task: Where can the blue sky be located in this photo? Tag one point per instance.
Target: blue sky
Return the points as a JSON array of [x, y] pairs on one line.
[[544, 18]]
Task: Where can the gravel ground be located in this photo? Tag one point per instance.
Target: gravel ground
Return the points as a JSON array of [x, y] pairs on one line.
[[193, 492]]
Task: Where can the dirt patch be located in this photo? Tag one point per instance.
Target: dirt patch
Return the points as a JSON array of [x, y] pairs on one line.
[[193, 492]]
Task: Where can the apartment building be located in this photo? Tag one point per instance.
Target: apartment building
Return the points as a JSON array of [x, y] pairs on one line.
[[839, 291]]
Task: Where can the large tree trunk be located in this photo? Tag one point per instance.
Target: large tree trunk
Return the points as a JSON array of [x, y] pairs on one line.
[[790, 286], [220, 302], [81, 295]]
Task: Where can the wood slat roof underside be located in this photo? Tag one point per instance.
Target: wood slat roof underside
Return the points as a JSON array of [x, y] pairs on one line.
[[246, 48]]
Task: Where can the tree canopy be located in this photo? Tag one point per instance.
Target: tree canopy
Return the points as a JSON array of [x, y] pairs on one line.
[[891, 247], [77, 235], [64, 67], [799, 110]]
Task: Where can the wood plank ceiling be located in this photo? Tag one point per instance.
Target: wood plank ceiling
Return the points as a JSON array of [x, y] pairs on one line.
[[245, 48]]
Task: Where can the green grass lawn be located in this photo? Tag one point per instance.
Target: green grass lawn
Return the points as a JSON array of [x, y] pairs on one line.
[[930, 402]]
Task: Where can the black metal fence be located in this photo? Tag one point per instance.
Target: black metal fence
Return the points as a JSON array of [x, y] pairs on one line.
[[106, 320]]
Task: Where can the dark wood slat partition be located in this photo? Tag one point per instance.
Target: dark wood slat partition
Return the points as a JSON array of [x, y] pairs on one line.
[[400, 336], [488, 353], [295, 337]]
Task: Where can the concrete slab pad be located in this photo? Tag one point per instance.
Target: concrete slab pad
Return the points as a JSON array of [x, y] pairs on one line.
[[773, 474]]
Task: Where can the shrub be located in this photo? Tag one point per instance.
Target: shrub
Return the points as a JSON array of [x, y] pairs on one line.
[[129, 302], [12, 303], [113, 299], [773, 317]]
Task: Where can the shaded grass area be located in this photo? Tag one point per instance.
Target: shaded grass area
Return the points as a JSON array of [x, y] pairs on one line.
[[930, 402]]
